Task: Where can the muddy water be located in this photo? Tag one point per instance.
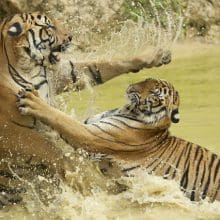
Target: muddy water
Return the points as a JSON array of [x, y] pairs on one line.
[[148, 197]]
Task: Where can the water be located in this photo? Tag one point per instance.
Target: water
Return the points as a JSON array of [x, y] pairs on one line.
[[148, 197], [88, 194]]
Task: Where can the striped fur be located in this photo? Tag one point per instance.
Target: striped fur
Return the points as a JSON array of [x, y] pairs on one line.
[[31, 45], [137, 136]]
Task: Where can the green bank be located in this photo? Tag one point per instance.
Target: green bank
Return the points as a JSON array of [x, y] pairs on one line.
[[195, 73]]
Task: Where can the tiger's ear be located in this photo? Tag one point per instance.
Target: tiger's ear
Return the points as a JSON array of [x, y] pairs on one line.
[[15, 30], [175, 117]]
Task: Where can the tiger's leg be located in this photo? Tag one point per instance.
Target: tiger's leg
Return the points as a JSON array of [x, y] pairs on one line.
[[100, 72], [76, 75]]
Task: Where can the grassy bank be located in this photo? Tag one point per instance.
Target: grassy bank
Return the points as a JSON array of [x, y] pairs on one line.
[[194, 71]]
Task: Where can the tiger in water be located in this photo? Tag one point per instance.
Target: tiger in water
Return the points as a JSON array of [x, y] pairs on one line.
[[137, 136], [32, 47]]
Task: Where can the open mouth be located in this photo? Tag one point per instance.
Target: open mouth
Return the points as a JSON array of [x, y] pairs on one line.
[[64, 46], [53, 57]]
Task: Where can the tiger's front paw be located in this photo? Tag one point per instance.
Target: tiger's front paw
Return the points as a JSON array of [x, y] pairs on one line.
[[26, 101], [164, 58]]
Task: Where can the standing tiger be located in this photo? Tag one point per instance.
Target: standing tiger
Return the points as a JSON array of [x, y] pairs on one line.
[[31, 44], [137, 136]]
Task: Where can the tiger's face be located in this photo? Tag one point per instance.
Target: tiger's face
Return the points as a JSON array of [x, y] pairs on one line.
[[154, 100], [34, 36]]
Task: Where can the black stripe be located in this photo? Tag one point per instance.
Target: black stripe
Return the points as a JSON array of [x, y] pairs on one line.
[[39, 25], [96, 75], [129, 117], [33, 37], [178, 162], [198, 164], [196, 175], [213, 157], [130, 168], [127, 125], [158, 105], [15, 74], [203, 173], [73, 76], [97, 126], [169, 157], [163, 140], [184, 179], [217, 170], [192, 196], [158, 156], [37, 86], [197, 151], [41, 37], [25, 126], [51, 42], [36, 75], [187, 156], [126, 144], [17, 77], [113, 125], [101, 129], [159, 111]]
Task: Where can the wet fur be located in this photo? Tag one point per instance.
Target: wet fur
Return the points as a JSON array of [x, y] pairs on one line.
[[136, 136], [20, 60]]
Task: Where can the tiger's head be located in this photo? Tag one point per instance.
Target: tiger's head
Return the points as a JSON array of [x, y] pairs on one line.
[[155, 101], [33, 36]]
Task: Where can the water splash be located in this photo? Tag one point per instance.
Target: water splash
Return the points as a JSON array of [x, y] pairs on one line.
[[148, 197], [89, 194]]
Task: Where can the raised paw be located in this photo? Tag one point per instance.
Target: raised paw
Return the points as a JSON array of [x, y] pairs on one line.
[[26, 100], [166, 58], [29, 103], [163, 58]]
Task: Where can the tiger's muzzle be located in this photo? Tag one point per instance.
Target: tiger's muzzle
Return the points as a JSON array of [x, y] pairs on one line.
[[62, 47], [53, 57]]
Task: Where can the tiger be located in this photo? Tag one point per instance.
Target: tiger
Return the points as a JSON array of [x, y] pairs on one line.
[[136, 136], [32, 54]]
